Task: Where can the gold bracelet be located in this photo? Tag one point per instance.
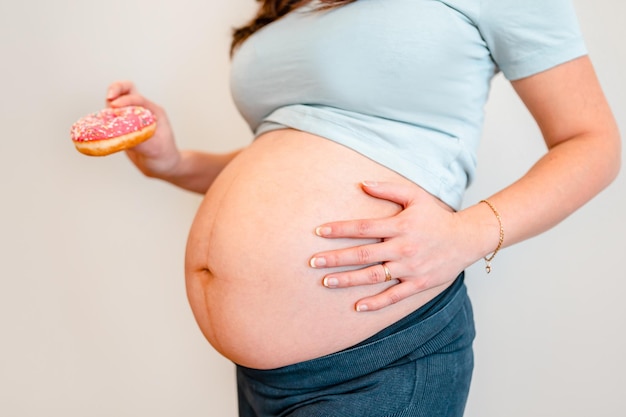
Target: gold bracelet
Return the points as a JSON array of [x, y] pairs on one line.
[[488, 259]]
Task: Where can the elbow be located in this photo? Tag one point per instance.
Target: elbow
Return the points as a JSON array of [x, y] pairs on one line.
[[602, 155], [614, 160]]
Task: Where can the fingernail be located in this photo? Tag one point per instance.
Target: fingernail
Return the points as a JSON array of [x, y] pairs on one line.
[[323, 231], [110, 94], [370, 183], [361, 307], [331, 282], [317, 262]]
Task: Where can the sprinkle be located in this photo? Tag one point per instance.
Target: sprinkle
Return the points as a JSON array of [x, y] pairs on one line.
[[110, 123]]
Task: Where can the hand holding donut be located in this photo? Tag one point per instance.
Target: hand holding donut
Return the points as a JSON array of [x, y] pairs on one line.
[[126, 124], [159, 156], [423, 246]]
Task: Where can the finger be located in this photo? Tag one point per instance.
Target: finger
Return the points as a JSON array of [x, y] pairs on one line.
[[391, 295], [402, 194], [130, 100], [356, 255], [120, 88], [375, 274], [361, 228]]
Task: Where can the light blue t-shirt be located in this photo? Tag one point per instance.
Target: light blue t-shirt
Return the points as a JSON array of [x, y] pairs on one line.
[[403, 82]]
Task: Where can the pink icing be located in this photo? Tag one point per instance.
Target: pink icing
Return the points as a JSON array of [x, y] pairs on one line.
[[110, 123]]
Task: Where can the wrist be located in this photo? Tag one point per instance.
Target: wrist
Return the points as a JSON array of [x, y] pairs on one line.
[[170, 168], [157, 163], [483, 231], [496, 213]]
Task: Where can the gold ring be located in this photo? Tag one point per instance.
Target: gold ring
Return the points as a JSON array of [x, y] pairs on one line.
[[387, 273]]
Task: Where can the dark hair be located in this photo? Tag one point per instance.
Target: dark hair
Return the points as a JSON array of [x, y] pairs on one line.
[[271, 10]]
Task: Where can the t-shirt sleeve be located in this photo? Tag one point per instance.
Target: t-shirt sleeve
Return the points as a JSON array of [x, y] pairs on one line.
[[526, 37]]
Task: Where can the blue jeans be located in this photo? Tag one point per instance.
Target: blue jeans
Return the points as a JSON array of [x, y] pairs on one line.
[[420, 366]]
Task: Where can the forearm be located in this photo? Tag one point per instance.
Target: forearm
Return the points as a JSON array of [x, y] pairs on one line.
[[159, 157], [195, 171], [584, 155], [568, 176]]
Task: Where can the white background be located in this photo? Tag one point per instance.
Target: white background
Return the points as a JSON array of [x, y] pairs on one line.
[[93, 315]]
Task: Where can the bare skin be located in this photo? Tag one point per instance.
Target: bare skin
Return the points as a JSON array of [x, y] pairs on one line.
[[584, 150], [248, 276], [267, 229]]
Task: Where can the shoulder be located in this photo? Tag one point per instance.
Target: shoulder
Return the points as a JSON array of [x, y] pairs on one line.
[[526, 37]]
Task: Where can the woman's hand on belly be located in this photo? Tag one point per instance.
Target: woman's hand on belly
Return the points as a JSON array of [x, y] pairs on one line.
[[424, 246]]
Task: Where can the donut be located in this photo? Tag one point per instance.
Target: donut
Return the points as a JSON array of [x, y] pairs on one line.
[[112, 130]]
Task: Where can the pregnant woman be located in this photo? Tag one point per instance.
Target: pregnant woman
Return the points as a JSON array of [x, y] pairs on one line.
[[326, 258]]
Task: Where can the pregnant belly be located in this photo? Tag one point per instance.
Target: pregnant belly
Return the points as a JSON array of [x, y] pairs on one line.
[[251, 289]]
